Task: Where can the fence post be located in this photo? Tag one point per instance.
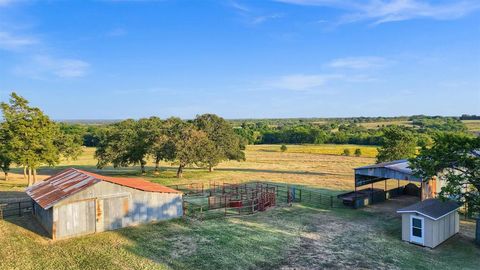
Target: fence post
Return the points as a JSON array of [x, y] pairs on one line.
[[331, 201], [300, 195], [20, 208]]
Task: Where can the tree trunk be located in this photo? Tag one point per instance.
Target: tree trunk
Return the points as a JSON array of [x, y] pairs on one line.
[[34, 176], [180, 171], [29, 177], [142, 165], [6, 176], [157, 162], [24, 172], [210, 168]]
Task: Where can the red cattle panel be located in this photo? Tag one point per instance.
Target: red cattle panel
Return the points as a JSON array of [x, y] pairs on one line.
[[71, 181]]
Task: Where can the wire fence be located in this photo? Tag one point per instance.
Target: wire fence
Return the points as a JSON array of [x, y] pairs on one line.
[[18, 208], [209, 200]]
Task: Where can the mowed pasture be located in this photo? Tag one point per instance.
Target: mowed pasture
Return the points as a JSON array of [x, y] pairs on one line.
[[319, 166], [300, 236], [472, 125]]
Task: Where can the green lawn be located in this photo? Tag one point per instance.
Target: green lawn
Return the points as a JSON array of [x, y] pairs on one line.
[[297, 236], [288, 237]]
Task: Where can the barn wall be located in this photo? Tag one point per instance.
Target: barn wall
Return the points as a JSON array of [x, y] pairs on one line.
[[44, 217], [107, 206], [73, 219]]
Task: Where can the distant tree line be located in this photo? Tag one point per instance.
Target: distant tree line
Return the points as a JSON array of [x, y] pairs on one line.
[[28, 138], [204, 142], [344, 133]]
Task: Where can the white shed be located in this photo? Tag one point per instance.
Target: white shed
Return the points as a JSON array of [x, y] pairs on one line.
[[430, 222]]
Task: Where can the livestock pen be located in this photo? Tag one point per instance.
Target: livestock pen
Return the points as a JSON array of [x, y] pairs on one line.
[[214, 199]]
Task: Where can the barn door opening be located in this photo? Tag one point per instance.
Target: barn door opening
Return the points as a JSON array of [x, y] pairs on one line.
[[112, 213], [417, 228]]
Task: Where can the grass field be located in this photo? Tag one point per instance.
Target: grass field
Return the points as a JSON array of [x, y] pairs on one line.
[[472, 125], [298, 237], [379, 124]]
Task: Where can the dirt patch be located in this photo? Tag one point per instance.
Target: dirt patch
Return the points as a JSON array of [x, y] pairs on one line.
[[333, 243], [185, 245]]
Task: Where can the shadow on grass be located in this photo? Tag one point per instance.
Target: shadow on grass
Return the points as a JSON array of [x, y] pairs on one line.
[[259, 241], [29, 223]]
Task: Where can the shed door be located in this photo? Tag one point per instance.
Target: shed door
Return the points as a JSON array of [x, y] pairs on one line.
[[76, 218], [417, 230], [115, 212]]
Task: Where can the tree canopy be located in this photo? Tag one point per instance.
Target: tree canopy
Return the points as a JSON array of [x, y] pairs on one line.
[[30, 139], [204, 142], [453, 158], [397, 144]]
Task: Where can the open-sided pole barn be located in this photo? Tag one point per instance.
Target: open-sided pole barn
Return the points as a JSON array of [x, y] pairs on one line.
[[76, 202], [398, 170]]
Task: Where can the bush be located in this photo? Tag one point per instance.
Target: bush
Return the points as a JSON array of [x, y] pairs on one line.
[[358, 152], [283, 148], [346, 152]]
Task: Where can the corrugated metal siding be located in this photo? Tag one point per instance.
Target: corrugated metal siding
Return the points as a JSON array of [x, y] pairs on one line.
[[74, 219], [114, 206], [44, 217]]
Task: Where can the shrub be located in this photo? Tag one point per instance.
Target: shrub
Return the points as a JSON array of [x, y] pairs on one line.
[[283, 148], [358, 152], [346, 152]]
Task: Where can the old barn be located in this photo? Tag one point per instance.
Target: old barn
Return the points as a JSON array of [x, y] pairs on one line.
[[76, 202]]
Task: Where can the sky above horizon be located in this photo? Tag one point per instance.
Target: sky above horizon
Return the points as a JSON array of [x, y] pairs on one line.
[[116, 59]]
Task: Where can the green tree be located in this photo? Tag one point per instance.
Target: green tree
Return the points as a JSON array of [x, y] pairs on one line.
[[192, 147], [33, 139], [125, 143], [6, 154], [358, 152], [283, 148], [397, 144], [453, 157], [164, 135], [226, 143]]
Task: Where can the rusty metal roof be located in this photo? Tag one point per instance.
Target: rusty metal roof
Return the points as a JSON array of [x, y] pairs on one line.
[[71, 181]]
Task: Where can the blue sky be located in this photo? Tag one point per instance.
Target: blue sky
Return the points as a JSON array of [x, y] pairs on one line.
[[242, 59]]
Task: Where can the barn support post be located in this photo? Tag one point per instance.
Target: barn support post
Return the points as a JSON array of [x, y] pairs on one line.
[[385, 189]]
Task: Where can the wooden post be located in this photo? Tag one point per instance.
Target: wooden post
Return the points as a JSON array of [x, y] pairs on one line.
[[331, 201], [20, 208], [300, 194], [385, 189]]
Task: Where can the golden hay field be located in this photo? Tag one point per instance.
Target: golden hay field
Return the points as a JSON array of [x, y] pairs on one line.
[[319, 166], [472, 125]]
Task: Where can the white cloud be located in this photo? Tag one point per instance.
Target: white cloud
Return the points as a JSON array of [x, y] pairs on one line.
[[239, 6], [252, 16], [12, 42], [264, 18], [42, 67], [301, 82], [382, 11], [365, 62]]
